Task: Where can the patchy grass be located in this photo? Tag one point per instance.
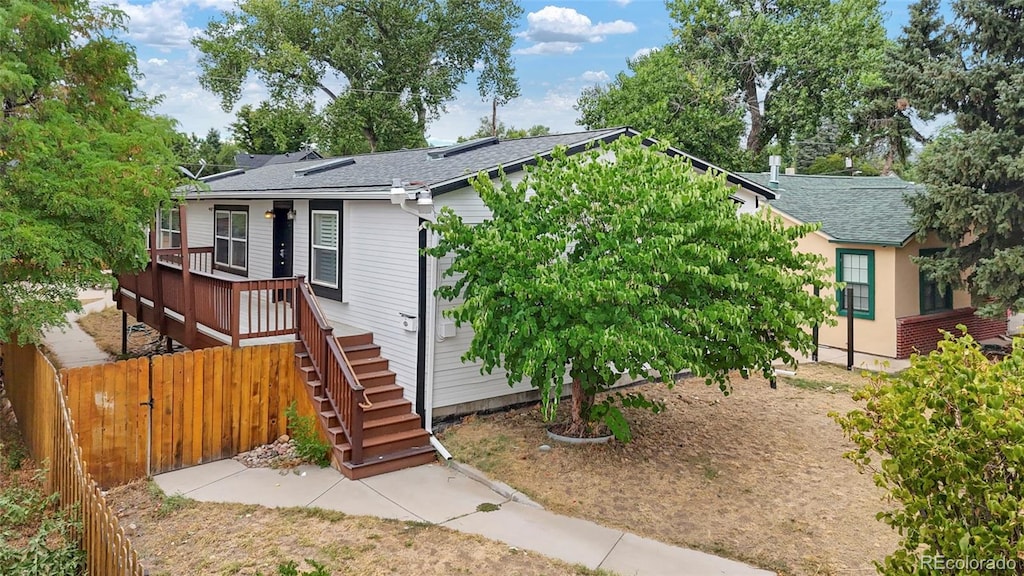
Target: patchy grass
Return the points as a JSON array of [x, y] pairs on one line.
[[105, 328], [756, 476], [207, 538]]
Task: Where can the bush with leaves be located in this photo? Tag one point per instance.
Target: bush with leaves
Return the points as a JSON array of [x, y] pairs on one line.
[[37, 539], [950, 434], [308, 443]]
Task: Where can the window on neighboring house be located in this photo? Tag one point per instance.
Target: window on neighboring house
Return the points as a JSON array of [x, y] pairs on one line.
[[932, 298], [170, 228], [856, 268], [231, 233], [325, 248]]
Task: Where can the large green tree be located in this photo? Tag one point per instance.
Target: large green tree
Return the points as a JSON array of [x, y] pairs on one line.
[[793, 62], [274, 129], [504, 132], [628, 265], [972, 68], [204, 156], [387, 68], [673, 99], [83, 166]]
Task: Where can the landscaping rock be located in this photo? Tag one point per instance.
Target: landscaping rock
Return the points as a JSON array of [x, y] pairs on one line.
[[280, 454]]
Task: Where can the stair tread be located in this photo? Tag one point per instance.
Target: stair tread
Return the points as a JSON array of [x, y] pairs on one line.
[[374, 374], [388, 438], [359, 347], [370, 360], [396, 455], [388, 420], [388, 404]]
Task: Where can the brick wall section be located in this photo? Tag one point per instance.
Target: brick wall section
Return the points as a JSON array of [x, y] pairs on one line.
[[921, 333]]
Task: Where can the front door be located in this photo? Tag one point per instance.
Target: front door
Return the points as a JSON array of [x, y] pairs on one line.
[[284, 219]]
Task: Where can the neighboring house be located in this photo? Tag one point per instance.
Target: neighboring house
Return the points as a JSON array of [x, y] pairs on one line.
[[867, 234], [353, 227]]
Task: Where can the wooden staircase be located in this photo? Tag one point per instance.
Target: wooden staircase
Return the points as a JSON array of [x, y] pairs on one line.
[[392, 436]]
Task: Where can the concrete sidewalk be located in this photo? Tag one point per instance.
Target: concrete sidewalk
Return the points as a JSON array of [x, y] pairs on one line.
[[72, 346], [443, 495]]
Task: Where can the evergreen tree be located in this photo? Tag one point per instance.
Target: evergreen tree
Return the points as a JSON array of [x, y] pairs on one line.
[[972, 68]]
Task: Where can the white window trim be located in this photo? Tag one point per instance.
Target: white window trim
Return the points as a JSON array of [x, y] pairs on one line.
[[231, 240], [314, 247]]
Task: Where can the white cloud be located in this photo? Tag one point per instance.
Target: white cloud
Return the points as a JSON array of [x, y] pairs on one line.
[[550, 48], [591, 76], [623, 2], [157, 61], [160, 24], [558, 30], [643, 52]]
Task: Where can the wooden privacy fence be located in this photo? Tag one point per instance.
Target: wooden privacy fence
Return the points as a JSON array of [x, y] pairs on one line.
[[140, 417], [46, 424]]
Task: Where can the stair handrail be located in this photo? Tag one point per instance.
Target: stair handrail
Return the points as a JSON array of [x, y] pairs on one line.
[[353, 429]]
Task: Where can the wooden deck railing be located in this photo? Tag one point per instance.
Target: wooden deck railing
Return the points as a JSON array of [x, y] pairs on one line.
[[343, 389], [236, 308]]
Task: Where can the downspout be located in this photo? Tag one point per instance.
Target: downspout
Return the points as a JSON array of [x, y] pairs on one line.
[[431, 331]]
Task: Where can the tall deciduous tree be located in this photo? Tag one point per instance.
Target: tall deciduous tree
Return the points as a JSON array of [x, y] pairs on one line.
[[607, 266], [204, 156], [270, 129], [387, 68], [794, 63], [505, 132], [974, 69], [83, 167], [674, 99]]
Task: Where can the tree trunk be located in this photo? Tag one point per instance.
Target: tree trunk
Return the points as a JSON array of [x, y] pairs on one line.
[[754, 143], [371, 138], [579, 425]]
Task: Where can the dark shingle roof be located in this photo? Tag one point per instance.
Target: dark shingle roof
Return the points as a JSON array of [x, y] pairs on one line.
[[854, 209], [371, 175], [250, 161]]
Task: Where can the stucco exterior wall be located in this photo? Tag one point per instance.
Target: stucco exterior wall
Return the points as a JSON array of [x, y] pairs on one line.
[[877, 336]]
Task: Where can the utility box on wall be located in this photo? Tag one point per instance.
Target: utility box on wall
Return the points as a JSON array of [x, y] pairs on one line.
[[409, 323]]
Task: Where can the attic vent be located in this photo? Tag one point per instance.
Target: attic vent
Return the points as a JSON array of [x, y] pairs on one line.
[[464, 147], [221, 175], [329, 165]]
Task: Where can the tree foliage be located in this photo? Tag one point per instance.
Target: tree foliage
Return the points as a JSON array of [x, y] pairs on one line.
[[387, 68], [810, 59], [973, 69], [950, 436], [626, 265], [274, 129], [674, 100], [83, 166], [504, 132], [204, 156]]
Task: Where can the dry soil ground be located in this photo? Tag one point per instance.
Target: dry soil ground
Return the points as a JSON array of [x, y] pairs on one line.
[[105, 328], [175, 536], [757, 475]]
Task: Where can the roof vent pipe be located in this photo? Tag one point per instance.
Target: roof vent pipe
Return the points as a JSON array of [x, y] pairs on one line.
[[773, 168]]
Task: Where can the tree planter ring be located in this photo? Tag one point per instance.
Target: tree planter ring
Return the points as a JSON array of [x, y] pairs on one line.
[[574, 440]]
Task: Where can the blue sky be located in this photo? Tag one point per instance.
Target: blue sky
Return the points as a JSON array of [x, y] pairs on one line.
[[561, 47]]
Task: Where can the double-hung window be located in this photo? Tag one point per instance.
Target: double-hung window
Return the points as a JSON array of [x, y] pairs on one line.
[[326, 239], [326, 229], [932, 298], [169, 228], [231, 239], [856, 268]]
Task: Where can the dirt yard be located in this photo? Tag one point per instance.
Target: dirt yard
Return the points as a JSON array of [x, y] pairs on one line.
[[175, 536], [105, 328], [756, 476]]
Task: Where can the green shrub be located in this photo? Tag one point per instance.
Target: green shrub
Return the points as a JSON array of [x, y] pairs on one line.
[[51, 548], [308, 443], [291, 568], [950, 433]]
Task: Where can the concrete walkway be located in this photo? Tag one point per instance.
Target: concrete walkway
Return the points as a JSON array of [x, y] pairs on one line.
[[72, 346], [837, 356], [448, 497]]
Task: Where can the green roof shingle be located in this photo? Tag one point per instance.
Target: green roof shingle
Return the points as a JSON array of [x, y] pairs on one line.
[[852, 209]]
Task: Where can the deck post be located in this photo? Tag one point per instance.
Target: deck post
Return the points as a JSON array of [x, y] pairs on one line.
[[849, 328], [236, 313], [124, 333], [159, 319], [186, 280]]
